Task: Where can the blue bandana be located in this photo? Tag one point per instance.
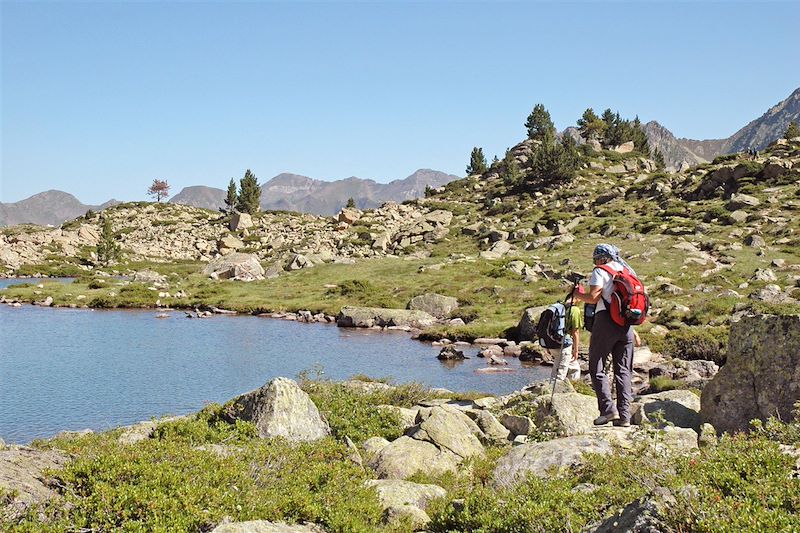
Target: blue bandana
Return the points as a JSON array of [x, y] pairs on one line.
[[611, 252]]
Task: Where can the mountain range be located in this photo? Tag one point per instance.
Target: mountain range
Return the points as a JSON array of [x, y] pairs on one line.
[[49, 207], [681, 153], [293, 192]]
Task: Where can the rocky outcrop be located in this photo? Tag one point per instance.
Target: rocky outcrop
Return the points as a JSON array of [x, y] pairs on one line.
[[235, 266], [434, 304], [281, 409], [180, 232], [761, 377], [367, 317]]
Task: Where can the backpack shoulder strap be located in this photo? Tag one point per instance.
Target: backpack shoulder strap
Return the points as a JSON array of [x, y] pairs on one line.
[[608, 269]]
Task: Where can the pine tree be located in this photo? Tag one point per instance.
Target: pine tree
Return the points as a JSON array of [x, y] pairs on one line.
[[555, 163], [477, 162], [591, 126], [511, 171], [351, 203], [540, 126], [231, 198], [249, 194], [638, 136], [658, 157], [792, 131], [107, 248]]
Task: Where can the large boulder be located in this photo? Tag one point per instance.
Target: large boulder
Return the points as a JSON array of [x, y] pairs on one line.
[[761, 377], [449, 429], [240, 221], [235, 266], [348, 215], [540, 458], [367, 317], [22, 472], [569, 413], [443, 437], [526, 329], [404, 457], [680, 408], [434, 304], [282, 409]]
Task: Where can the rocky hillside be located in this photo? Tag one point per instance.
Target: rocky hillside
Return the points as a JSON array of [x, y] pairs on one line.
[[293, 192], [167, 232], [49, 207], [682, 153]]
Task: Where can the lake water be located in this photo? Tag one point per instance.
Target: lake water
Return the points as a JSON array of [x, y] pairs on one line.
[[70, 369]]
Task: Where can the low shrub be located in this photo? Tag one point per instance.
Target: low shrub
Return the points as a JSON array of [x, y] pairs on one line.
[[723, 158], [351, 413], [582, 387], [663, 383], [697, 342]]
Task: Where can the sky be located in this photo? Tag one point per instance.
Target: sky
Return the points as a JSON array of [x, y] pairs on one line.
[[100, 98]]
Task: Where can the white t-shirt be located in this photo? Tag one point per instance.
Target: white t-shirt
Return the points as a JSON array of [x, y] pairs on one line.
[[601, 278]]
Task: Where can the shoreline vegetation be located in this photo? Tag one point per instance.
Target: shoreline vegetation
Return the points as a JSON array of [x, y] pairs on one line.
[[196, 472]]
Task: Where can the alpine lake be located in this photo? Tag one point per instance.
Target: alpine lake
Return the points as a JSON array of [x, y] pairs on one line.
[[73, 369]]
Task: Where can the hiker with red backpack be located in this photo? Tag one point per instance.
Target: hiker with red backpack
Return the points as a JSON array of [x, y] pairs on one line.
[[621, 303]]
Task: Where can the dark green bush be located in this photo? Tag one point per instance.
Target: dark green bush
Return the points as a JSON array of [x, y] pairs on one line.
[[723, 158], [697, 342]]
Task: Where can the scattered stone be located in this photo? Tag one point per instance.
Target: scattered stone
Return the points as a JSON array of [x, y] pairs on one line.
[[645, 515], [755, 241]]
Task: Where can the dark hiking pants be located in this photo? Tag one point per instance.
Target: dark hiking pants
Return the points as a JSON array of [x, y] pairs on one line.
[[610, 338]]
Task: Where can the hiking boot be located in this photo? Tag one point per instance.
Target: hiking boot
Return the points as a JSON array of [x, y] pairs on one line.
[[622, 423], [605, 419]]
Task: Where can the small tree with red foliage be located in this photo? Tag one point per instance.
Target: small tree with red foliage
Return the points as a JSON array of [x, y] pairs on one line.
[[159, 189]]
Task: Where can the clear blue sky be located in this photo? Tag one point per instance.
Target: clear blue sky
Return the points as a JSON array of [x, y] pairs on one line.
[[100, 98]]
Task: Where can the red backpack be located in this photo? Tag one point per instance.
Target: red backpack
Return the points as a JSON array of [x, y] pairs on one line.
[[629, 301]]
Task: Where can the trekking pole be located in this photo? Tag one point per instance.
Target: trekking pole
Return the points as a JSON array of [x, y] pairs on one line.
[[567, 309]]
